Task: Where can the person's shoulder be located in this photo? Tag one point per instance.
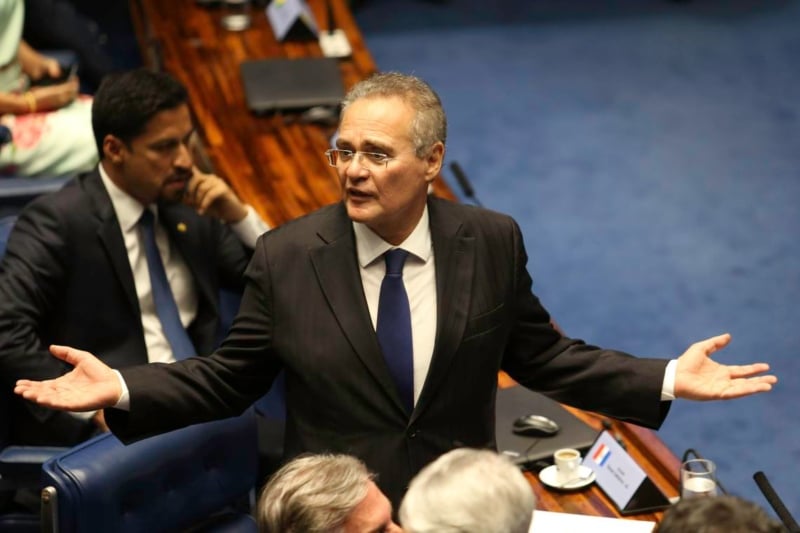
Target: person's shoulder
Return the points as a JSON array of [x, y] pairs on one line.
[[471, 216], [57, 220], [322, 224], [70, 201]]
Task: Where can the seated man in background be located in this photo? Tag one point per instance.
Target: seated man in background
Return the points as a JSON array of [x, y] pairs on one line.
[[128, 259], [468, 491], [50, 123], [324, 493], [720, 514]]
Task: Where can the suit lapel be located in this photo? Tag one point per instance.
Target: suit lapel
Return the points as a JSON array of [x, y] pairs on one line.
[[335, 262], [454, 253], [110, 236]]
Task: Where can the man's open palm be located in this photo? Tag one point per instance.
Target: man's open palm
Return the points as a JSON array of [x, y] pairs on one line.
[[90, 385], [699, 377]]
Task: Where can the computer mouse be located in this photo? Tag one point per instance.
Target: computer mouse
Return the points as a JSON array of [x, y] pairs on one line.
[[535, 426]]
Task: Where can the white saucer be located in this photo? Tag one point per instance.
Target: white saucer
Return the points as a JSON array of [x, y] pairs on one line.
[[584, 477]]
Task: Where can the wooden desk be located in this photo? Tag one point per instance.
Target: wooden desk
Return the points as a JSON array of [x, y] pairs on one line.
[[275, 164], [644, 446], [278, 165]]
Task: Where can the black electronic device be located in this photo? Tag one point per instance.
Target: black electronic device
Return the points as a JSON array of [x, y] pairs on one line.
[[535, 453], [278, 85], [464, 183], [535, 426], [67, 72], [775, 501]]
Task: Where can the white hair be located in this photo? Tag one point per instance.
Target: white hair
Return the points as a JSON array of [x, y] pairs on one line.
[[429, 125], [312, 494], [468, 491]]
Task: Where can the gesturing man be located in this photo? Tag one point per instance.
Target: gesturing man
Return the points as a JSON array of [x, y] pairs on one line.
[[320, 290]]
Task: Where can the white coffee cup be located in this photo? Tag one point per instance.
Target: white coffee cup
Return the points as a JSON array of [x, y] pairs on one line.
[[567, 461], [235, 15]]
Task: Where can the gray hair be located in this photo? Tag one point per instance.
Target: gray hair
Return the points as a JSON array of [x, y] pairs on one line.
[[430, 123], [312, 494], [468, 491], [721, 514]]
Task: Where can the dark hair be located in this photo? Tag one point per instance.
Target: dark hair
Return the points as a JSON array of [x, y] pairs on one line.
[[719, 514], [125, 102]]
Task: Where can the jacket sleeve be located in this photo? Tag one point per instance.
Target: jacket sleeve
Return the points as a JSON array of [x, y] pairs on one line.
[[31, 275], [572, 372]]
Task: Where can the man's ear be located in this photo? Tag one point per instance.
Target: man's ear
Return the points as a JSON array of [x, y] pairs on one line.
[[113, 148], [434, 161]]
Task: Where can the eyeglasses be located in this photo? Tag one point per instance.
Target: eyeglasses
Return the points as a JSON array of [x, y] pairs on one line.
[[338, 157]]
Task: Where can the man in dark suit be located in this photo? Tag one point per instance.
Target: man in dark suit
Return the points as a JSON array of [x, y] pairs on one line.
[[75, 270], [314, 305]]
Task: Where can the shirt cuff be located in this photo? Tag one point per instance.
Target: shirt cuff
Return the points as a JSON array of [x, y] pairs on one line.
[[124, 402], [668, 387], [250, 228], [86, 416]]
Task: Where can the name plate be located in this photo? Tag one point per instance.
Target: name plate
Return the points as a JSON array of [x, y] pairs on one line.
[[292, 20], [621, 478]]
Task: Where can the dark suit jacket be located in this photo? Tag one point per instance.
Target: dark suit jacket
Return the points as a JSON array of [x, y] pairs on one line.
[[304, 311], [66, 279]]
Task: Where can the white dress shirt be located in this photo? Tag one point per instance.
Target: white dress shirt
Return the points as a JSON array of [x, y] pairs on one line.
[[129, 211], [419, 278]]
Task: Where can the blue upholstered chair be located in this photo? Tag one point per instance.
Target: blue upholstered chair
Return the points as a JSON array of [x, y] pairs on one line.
[[198, 478], [270, 408]]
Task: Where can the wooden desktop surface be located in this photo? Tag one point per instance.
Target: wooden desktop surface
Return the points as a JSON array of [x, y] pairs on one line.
[[642, 444], [276, 164]]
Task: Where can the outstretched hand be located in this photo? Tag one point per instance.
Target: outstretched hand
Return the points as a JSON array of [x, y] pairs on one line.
[[698, 377], [88, 386]]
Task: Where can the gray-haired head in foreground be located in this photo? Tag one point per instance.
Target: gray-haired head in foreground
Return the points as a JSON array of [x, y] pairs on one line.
[[720, 514], [312, 494], [430, 123], [468, 491]]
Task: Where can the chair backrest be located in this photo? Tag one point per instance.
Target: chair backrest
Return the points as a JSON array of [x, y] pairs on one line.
[[6, 224], [17, 191], [188, 478], [273, 404]]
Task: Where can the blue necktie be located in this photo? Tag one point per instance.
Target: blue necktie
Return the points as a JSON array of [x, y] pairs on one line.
[[163, 299], [394, 326]]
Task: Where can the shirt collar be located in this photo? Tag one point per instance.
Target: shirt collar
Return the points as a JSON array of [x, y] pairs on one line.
[[128, 209], [370, 246]]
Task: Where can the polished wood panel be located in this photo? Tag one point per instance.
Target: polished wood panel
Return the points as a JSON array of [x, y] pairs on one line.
[[274, 163]]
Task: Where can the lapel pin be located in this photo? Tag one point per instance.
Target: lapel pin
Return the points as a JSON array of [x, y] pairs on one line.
[[181, 227]]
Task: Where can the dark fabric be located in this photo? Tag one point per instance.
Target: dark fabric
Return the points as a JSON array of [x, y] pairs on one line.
[[304, 311], [394, 327], [100, 35], [164, 300], [66, 279]]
